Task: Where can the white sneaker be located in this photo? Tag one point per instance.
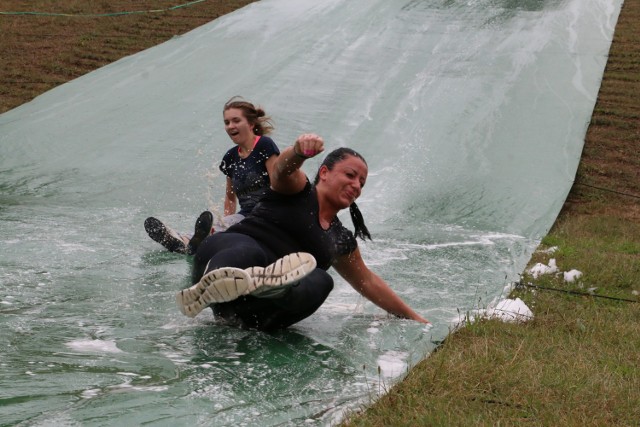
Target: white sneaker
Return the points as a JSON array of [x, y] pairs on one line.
[[275, 279], [229, 283], [220, 285]]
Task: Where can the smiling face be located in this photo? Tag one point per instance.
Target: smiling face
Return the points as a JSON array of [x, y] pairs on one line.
[[343, 184], [237, 126]]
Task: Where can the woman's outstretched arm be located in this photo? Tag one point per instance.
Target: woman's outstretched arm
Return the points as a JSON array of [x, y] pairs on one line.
[[286, 176], [353, 269]]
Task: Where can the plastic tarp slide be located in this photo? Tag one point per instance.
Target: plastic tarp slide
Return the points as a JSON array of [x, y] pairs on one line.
[[471, 115]]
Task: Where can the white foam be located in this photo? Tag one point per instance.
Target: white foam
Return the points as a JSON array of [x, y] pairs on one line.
[[572, 275], [94, 346], [510, 310], [392, 363], [507, 310], [128, 374], [125, 387], [540, 268], [476, 240], [88, 394]]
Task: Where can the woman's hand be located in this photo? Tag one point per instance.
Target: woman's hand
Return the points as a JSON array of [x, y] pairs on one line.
[[286, 176], [308, 145]]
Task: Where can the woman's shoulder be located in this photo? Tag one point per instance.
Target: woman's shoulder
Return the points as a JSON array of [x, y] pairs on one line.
[[265, 143], [231, 153], [230, 158]]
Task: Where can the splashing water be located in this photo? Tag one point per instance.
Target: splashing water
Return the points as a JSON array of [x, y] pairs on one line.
[[471, 115]]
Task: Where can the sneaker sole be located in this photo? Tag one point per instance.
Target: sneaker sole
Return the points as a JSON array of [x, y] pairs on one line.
[[201, 231], [220, 285], [276, 278], [164, 235]]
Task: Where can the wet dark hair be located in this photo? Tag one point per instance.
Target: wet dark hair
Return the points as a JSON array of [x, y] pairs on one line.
[[256, 116], [334, 157]]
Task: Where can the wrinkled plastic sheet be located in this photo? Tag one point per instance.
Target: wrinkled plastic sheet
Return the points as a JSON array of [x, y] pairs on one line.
[[471, 115]]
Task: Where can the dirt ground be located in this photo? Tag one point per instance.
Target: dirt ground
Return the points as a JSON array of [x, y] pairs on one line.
[[44, 43]]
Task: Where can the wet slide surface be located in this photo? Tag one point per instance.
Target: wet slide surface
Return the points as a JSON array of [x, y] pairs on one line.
[[471, 115]]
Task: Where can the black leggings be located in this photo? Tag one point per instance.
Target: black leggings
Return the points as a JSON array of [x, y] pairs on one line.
[[238, 250]]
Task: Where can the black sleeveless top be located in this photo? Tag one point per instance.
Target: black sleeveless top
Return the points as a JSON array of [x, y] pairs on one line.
[[290, 223]]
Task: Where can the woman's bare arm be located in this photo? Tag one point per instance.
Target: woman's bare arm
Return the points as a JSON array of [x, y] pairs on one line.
[[286, 176], [229, 199], [353, 269]]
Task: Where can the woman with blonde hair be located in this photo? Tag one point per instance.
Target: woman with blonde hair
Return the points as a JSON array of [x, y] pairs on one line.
[[246, 166]]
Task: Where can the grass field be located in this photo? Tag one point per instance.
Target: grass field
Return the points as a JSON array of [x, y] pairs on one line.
[[577, 363]]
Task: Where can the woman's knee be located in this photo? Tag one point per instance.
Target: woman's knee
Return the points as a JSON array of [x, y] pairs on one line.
[[322, 281], [230, 250], [310, 293]]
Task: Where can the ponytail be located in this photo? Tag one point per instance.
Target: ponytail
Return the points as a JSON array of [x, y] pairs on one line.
[[358, 222]]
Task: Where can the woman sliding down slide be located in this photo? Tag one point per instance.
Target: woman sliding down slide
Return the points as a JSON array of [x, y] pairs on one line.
[[269, 271], [247, 168]]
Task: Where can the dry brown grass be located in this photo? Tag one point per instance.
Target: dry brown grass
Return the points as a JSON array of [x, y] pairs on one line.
[[610, 157], [40, 52]]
